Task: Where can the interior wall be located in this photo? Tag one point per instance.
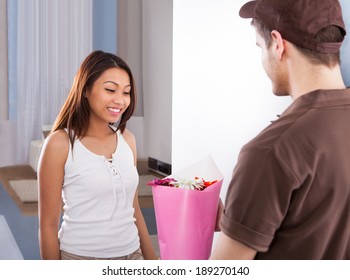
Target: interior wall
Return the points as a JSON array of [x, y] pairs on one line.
[[129, 42], [3, 62], [129, 47], [221, 95], [7, 128], [104, 25], [345, 50], [157, 45]]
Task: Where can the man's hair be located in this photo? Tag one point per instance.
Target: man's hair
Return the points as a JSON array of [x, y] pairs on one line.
[[328, 34]]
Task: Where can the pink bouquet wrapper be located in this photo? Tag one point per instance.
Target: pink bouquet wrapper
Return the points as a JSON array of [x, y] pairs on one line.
[[186, 219]]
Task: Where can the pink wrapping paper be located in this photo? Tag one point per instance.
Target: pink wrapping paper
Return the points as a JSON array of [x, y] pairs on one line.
[[186, 219]]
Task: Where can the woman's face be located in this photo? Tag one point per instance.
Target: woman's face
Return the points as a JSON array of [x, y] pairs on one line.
[[110, 95]]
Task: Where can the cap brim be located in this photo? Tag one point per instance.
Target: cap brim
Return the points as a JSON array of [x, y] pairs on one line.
[[248, 10]]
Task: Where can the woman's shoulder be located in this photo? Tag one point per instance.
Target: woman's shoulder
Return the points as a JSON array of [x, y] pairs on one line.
[[58, 140], [128, 136], [55, 149]]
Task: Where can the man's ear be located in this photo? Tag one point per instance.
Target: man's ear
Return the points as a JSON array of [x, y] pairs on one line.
[[278, 43]]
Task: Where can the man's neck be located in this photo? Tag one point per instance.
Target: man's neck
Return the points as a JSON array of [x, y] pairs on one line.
[[309, 77]]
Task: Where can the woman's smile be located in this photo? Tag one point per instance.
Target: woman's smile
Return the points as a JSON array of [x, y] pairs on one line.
[[114, 110]]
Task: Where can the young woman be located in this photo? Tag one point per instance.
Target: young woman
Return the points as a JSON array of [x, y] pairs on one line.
[[91, 165]]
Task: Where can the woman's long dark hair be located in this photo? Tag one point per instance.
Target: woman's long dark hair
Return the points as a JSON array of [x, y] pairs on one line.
[[75, 112]]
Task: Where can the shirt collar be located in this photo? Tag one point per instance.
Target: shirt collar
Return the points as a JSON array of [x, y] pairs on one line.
[[318, 99]]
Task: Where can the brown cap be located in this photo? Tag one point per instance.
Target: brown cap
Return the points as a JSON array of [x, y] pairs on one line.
[[298, 20]]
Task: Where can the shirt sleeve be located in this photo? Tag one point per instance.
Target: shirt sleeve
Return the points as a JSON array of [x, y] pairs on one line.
[[258, 198]]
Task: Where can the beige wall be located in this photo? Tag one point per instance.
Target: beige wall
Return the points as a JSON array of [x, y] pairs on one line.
[[145, 41], [3, 61], [157, 65], [129, 43]]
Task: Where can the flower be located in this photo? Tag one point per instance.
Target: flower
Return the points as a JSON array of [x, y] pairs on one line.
[[189, 184]]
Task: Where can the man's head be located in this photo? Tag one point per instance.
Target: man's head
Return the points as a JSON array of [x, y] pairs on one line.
[[299, 21], [296, 38], [315, 27]]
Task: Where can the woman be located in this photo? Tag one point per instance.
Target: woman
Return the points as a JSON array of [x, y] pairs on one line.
[[92, 165]]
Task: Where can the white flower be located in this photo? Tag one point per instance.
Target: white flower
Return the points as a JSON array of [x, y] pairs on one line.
[[189, 184]]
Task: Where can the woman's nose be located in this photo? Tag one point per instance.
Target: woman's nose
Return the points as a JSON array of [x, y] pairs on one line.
[[118, 99]]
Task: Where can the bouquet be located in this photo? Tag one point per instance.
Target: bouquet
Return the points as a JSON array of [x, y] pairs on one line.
[[186, 208], [196, 184]]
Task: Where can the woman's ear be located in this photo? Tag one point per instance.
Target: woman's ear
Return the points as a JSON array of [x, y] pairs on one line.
[[278, 43], [86, 93]]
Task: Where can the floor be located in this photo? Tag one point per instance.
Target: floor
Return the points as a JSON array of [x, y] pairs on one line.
[[24, 228]]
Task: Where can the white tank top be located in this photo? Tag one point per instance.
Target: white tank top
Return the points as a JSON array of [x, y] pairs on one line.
[[98, 219]]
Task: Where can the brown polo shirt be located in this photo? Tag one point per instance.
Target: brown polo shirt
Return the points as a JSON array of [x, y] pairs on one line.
[[289, 197]]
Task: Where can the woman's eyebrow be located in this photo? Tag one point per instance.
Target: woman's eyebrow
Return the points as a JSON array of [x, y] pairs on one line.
[[114, 83], [111, 82]]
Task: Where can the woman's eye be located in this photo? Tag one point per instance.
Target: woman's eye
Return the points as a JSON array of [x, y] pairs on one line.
[[110, 90], [126, 92]]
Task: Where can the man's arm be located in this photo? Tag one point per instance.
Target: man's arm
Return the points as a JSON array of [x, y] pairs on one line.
[[227, 248]]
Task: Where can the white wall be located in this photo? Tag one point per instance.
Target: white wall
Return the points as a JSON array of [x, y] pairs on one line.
[[221, 96]]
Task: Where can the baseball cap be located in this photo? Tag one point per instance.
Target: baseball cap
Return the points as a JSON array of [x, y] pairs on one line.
[[298, 21]]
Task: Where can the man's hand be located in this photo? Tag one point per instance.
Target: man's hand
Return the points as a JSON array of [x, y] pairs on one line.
[[218, 215]]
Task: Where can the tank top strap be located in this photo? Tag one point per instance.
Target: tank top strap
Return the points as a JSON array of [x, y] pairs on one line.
[[121, 140]]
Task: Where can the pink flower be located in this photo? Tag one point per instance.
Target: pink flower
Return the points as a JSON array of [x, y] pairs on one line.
[[162, 182]]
